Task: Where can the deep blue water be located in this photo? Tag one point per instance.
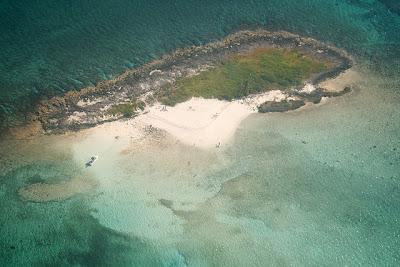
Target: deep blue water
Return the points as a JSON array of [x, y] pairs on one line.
[[49, 47]]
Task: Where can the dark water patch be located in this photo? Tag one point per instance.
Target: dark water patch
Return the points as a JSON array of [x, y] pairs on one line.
[[34, 173], [392, 5], [166, 203], [35, 179], [101, 246], [60, 233]]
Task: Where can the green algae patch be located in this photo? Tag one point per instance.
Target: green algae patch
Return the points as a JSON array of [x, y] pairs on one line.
[[126, 109], [261, 70]]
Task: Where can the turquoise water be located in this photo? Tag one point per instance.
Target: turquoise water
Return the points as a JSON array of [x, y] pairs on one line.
[[319, 187]]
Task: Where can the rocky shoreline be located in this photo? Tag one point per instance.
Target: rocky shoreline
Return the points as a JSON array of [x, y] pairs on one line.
[[88, 107]]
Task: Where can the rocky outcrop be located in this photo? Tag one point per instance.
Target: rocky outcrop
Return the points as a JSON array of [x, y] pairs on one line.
[[298, 99], [285, 105]]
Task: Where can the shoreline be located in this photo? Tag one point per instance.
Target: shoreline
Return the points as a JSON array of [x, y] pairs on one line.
[[212, 123], [206, 124], [202, 124], [87, 108]]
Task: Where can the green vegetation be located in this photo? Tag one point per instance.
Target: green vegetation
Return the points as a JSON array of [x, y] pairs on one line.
[[126, 109], [240, 75]]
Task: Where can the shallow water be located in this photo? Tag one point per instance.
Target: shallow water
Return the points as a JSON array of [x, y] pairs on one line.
[[314, 187], [318, 186]]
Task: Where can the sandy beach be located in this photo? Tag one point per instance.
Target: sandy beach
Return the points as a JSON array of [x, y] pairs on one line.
[[203, 123], [198, 122]]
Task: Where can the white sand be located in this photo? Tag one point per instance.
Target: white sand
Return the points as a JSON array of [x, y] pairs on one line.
[[204, 123], [199, 122]]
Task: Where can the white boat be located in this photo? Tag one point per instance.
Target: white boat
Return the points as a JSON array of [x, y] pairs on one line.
[[91, 161]]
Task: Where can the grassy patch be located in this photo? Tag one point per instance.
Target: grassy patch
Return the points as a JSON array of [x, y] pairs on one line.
[[240, 75], [126, 109]]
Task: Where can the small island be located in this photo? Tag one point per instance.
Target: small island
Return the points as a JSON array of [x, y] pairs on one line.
[[196, 96], [200, 94]]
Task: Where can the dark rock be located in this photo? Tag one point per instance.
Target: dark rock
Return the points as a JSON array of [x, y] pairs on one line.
[[314, 97], [166, 202], [336, 94], [285, 105]]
